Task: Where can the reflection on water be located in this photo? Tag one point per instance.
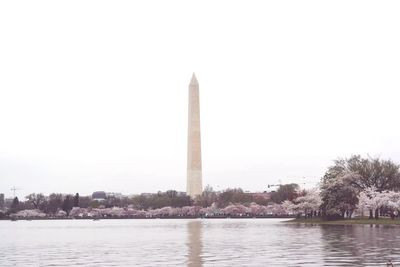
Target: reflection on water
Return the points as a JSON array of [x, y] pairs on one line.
[[210, 242], [360, 245], [194, 243]]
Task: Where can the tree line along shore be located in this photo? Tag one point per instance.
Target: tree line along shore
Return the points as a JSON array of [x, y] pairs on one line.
[[352, 190], [233, 203]]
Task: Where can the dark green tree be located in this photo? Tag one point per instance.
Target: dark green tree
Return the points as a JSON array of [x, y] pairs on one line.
[[2, 203], [67, 204], [76, 200], [369, 172], [37, 200], [339, 197], [15, 206], [285, 192], [55, 203], [233, 196], [84, 202], [207, 198], [160, 199]]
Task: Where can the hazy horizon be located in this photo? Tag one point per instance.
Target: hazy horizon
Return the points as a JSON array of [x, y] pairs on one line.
[[93, 94]]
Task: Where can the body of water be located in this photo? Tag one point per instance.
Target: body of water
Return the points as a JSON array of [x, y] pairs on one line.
[[197, 242]]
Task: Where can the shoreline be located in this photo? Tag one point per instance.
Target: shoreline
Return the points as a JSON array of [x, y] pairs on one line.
[[148, 218], [354, 221]]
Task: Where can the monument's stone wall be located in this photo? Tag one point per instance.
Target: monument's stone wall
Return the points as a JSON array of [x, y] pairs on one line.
[[194, 171]]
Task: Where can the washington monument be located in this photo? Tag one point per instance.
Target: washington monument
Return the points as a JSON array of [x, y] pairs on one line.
[[194, 176]]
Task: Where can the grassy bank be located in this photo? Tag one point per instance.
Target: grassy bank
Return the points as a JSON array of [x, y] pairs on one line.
[[380, 221]]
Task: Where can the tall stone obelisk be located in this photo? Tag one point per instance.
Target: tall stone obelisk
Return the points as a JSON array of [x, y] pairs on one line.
[[194, 174]]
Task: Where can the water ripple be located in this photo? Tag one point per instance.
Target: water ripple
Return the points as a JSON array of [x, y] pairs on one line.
[[217, 242]]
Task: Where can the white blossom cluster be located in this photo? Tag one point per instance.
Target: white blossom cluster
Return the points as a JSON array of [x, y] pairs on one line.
[[188, 211], [372, 199], [308, 201]]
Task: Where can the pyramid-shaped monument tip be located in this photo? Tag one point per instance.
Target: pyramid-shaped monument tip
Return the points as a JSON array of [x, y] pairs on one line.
[[194, 81]]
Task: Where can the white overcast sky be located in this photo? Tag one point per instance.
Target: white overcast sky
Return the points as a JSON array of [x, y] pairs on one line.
[[93, 94]]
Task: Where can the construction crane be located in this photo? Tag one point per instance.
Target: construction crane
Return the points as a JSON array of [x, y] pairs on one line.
[[274, 185], [14, 189]]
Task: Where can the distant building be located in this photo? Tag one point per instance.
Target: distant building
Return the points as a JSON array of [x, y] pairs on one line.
[[102, 195], [99, 195], [114, 195], [8, 202]]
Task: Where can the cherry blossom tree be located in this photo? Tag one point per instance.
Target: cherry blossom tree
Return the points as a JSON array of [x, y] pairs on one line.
[[26, 214], [339, 196], [78, 212], [374, 201], [61, 214], [307, 204], [394, 202], [274, 209], [368, 172]]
